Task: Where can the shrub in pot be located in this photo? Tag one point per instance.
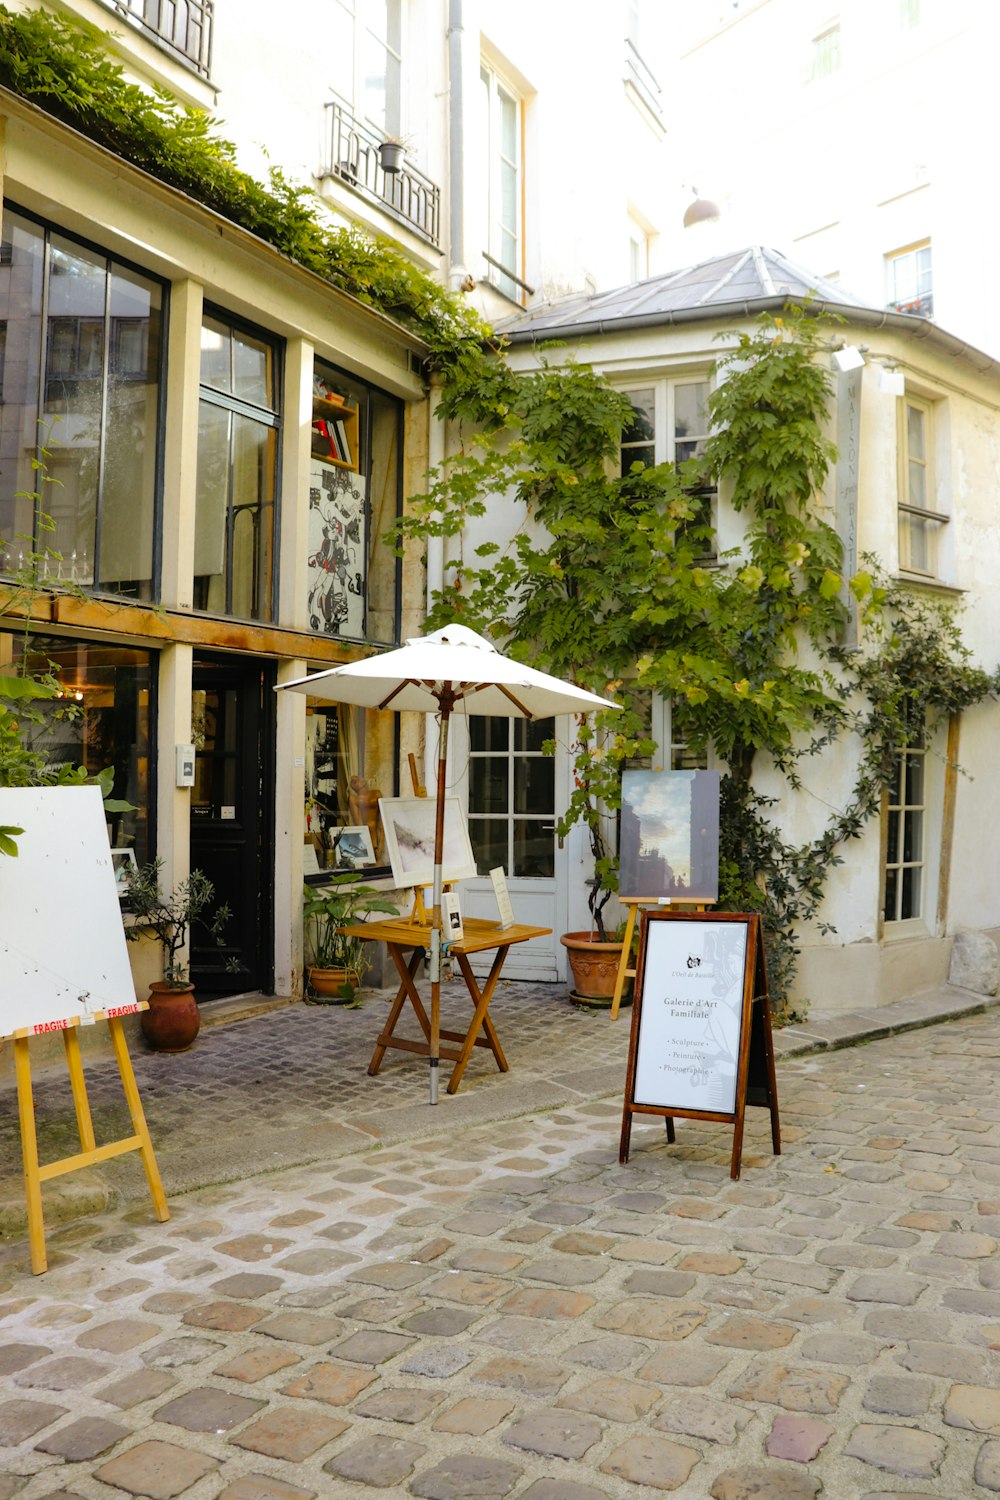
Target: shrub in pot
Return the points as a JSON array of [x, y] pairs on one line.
[[336, 963], [173, 1020]]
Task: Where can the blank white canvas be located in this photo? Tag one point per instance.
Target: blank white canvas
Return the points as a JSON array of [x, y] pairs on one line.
[[63, 957]]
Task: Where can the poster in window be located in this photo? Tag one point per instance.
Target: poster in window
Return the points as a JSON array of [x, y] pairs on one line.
[[337, 552], [669, 840]]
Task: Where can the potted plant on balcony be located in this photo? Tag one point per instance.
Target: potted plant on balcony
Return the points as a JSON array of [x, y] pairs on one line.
[[391, 154], [336, 963], [173, 1019]]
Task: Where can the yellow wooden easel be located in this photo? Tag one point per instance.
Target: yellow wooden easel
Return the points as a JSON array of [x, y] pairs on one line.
[[635, 904], [90, 1152]]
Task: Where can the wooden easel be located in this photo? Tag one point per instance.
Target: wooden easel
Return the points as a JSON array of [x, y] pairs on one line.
[[636, 904], [90, 1152]]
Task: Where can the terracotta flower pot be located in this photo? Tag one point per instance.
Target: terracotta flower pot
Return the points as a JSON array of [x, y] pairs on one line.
[[173, 1019], [594, 965], [334, 986]]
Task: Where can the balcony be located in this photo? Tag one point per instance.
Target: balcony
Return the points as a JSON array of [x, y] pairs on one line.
[[918, 307], [406, 195], [181, 27]]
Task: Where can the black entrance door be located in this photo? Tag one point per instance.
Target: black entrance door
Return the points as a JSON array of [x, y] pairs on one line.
[[231, 819]]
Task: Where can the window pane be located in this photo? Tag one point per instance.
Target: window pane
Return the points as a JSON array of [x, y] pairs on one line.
[[489, 843], [216, 355], [691, 409], [892, 839], [534, 785], [129, 491], [642, 428], [909, 903], [21, 309], [531, 734], [109, 688], [211, 507], [915, 416], [253, 487], [891, 893], [252, 372], [74, 402], [489, 733], [533, 849], [488, 788], [915, 779]]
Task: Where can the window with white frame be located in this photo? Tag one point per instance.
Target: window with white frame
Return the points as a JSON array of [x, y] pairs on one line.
[[501, 127], [366, 59], [921, 515], [671, 425], [909, 14], [910, 281], [904, 870], [825, 52]]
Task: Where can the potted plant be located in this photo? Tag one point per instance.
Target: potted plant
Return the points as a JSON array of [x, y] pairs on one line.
[[173, 1020], [391, 154], [605, 744], [336, 963]]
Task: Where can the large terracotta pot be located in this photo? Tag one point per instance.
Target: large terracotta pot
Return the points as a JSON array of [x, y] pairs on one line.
[[334, 986], [173, 1019], [594, 965]]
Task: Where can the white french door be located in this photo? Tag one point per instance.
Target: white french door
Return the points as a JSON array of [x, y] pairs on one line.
[[512, 790]]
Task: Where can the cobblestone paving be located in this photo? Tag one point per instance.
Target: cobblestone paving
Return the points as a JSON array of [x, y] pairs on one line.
[[505, 1311]]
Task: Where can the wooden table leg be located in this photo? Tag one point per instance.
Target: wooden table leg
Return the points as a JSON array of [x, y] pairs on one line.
[[480, 1019], [407, 991]]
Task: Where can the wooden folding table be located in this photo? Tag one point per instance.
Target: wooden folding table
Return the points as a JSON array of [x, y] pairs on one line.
[[414, 937]]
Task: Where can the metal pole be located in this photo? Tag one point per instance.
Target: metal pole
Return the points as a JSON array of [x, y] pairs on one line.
[[447, 699]]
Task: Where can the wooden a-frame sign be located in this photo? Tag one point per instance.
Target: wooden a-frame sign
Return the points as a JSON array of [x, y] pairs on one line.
[[701, 1045]]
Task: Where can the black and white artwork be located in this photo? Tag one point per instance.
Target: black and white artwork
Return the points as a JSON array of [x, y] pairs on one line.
[[669, 840], [337, 553]]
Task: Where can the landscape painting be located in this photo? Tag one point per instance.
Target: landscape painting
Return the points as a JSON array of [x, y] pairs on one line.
[[408, 823], [669, 839]]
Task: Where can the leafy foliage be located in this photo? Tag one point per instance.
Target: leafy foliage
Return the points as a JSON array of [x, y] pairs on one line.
[[62, 65], [169, 917], [605, 579], [326, 910]]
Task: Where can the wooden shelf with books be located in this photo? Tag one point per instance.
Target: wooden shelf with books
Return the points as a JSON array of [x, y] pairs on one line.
[[335, 433]]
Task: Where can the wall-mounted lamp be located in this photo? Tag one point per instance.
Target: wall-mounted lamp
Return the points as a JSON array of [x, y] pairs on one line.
[[848, 357], [701, 211]]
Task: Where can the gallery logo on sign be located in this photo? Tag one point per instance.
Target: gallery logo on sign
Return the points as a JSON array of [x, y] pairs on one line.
[[693, 961]]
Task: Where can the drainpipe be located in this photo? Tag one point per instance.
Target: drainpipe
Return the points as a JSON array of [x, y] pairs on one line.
[[456, 145]]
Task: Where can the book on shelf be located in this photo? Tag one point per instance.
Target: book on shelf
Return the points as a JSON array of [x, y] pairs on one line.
[[343, 441]]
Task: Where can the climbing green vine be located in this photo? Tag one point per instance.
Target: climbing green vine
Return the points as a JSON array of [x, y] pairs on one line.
[[607, 577]]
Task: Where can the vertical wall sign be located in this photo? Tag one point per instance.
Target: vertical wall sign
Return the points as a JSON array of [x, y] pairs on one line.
[[701, 1043]]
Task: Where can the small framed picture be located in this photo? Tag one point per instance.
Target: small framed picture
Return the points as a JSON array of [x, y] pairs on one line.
[[409, 840], [351, 847], [123, 861], [453, 929]]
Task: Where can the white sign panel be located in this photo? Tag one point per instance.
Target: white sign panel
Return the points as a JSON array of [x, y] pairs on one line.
[[63, 957], [688, 1048]]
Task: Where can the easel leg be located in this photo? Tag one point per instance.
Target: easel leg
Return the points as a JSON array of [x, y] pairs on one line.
[[616, 998], [29, 1155], [139, 1125], [84, 1123], [670, 1130], [737, 1157]]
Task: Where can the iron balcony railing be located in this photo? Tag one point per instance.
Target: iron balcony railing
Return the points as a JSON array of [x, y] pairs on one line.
[[353, 158], [182, 27], [640, 78]]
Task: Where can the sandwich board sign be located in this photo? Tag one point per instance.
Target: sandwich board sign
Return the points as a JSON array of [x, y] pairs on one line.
[[700, 1046], [64, 964]]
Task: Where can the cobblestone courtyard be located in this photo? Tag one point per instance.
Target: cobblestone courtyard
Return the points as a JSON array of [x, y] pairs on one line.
[[503, 1310]]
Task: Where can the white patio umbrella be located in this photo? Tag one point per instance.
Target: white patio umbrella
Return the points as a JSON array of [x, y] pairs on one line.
[[453, 669]]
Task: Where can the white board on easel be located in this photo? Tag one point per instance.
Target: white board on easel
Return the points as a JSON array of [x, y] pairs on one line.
[[63, 958], [63, 964]]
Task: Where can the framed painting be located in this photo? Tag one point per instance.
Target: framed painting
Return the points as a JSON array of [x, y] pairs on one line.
[[352, 848], [408, 824], [669, 840]]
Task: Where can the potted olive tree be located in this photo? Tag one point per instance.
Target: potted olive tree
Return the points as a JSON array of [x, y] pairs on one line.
[[336, 962], [173, 1019]]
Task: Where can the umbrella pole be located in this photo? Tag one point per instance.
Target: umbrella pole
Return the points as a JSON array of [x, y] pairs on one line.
[[446, 700]]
